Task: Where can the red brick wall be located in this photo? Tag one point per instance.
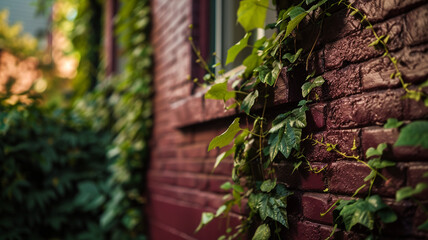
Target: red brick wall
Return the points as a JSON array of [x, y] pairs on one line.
[[357, 98]]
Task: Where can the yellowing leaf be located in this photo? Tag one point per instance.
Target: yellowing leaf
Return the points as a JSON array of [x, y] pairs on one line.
[[252, 14], [219, 92]]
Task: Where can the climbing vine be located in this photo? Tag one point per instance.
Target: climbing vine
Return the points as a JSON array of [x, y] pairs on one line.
[[258, 147]]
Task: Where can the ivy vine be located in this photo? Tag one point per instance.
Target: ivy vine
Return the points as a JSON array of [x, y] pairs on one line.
[[256, 149]]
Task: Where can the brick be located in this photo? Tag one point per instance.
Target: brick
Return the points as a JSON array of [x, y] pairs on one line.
[[191, 166], [302, 178], [354, 48], [383, 9], [313, 231], [198, 150], [187, 218], [416, 26], [344, 181], [316, 117], [188, 111], [341, 82], [333, 31], [413, 64], [214, 109], [344, 140], [224, 168], [365, 109], [192, 181], [414, 176], [215, 182], [314, 204], [287, 89], [372, 136]]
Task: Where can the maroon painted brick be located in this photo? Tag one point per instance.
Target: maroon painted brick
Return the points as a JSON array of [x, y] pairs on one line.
[[159, 231], [416, 26], [191, 166], [224, 168], [341, 82], [316, 116], [198, 150], [192, 181], [383, 9], [214, 109], [346, 177], [316, 203], [365, 109], [376, 74], [372, 136], [186, 218], [308, 231], [413, 65], [354, 48], [414, 176], [333, 31], [302, 178], [287, 89], [215, 182], [188, 111], [344, 140], [162, 177]]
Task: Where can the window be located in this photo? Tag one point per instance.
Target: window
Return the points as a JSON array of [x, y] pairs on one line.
[[225, 31]]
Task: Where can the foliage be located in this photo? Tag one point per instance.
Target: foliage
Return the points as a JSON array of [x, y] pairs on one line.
[[116, 115], [121, 105], [12, 38], [53, 171], [363, 212], [256, 149]]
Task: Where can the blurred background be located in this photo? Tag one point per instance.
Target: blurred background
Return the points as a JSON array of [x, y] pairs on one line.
[[75, 118]]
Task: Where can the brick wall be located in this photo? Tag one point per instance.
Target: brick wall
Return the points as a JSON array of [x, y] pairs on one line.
[[356, 100]]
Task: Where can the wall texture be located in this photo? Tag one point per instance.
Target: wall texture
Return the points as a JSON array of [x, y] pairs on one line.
[[356, 100]]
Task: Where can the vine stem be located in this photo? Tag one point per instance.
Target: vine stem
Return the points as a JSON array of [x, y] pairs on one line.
[[387, 53], [357, 158]]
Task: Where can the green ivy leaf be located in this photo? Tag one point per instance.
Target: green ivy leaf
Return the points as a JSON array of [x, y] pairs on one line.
[[309, 1], [248, 102], [379, 163], [423, 226], [268, 185], [357, 213], [252, 13], [220, 210], [286, 132], [219, 92], [316, 6], [292, 24], [376, 152], [414, 134], [262, 232], [308, 86], [225, 138], [251, 62], [205, 219], [408, 191], [292, 57], [393, 123], [226, 186], [282, 191], [237, 48], [295, 11], [223, 156], [387, 215]]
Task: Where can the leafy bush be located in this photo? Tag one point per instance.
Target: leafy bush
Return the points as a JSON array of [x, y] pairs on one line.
[[53, 175]]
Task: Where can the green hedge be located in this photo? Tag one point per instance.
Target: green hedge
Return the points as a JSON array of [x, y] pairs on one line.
[[55, 178]]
